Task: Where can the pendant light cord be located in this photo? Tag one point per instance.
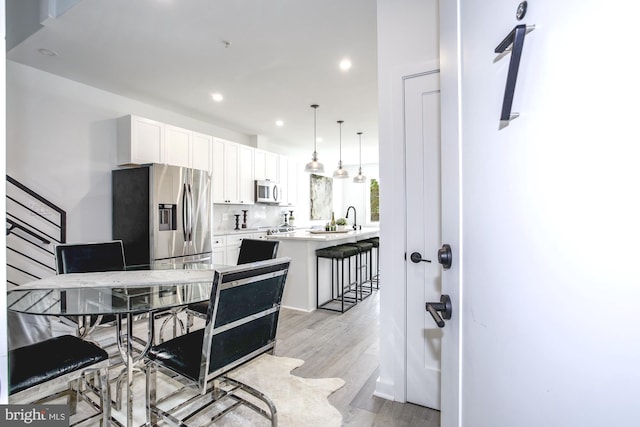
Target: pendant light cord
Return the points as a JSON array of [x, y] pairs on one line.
[[360, 155], [340, 123], [315, 138]]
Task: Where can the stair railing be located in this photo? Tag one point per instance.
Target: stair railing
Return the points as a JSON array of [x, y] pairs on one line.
[[34, 226]]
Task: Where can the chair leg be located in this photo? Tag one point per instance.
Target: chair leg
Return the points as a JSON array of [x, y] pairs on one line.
[[105, 398], [189, 322], [72, 396], [150, 398]]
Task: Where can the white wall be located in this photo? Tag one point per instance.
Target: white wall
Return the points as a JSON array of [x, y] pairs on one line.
[[61, 142], [407, 44]]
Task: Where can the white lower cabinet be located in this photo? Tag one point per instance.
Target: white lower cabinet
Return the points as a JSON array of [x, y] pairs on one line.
[[219, 250], [233, 247], [229, 246]]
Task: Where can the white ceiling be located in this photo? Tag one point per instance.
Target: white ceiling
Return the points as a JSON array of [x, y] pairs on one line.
[[283, 56]]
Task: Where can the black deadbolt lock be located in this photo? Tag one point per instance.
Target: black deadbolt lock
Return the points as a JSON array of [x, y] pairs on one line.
[[445, 257]]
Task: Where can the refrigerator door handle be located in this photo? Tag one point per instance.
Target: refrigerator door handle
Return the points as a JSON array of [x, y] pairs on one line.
[[190, 213], [185, 212]]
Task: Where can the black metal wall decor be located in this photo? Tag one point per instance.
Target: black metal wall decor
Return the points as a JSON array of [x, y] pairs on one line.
[[514, 43]]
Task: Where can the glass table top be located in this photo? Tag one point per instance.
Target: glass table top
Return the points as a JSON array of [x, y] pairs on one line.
[[137, 289]]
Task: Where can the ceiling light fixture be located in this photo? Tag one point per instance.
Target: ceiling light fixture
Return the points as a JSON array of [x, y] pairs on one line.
[[314, 166], [47, 52], [359, 179], [345, 64], [217, 97], [340, 173], [279, 123]]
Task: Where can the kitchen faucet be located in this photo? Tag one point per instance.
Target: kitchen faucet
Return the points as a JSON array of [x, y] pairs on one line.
[[355, 215]]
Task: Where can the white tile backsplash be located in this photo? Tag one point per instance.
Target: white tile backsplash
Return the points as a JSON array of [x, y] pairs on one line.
[[257, 216]]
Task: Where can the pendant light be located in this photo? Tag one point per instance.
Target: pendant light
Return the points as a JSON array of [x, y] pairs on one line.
[[340, 172], [359, 179], [314, 166]]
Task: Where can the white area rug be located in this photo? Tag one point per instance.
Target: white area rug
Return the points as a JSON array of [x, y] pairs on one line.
[[299, 401]]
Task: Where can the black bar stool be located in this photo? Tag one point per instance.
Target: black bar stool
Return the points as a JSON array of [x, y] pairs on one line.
[[340, 292], [362, 274], [375, 241]]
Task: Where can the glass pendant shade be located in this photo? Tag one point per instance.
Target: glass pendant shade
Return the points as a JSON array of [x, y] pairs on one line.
[[314, 166], [359, 179], [340, 173]]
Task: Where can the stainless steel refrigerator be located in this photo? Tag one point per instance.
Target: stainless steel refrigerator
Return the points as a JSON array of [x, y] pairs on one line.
[[162, 212]]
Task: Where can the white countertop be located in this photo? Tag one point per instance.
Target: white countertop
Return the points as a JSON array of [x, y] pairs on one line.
[[329, 236]]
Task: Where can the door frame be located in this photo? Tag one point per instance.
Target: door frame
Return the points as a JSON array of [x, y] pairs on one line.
[[451, 176], [391, 384], [417, 276]]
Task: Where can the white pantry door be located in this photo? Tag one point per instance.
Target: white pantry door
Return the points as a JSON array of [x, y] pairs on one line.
[[423, 235]]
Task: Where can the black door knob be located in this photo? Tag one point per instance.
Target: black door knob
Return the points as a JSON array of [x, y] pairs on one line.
[[444, 307], [417, 257], [445, 257]]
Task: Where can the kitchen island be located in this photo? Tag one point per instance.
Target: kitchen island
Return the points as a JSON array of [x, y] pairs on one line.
[[301, 246]]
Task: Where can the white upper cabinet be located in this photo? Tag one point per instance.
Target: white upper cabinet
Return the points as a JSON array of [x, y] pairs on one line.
[[245, 174], [231, 184], [266, 166], [218, 171], [177, 146], [232, 172], [140, 141], [288, 181], [293, 179], [201, 151]]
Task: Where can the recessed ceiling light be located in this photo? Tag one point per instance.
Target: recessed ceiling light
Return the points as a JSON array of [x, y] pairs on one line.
[[279, 123], [47, 52], [217, 97], [345, 64]]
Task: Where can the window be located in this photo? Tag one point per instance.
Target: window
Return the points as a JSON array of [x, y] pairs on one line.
[[374, 200]]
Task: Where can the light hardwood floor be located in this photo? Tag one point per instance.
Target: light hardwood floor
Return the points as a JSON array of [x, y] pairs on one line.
[[347, 346]]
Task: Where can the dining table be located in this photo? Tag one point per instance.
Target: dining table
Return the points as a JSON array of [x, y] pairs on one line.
[[127, 294]]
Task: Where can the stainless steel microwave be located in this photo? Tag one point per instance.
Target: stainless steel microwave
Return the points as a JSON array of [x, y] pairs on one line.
[[267, 192]]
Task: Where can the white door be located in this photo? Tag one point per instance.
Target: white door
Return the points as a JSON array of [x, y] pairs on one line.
[[550, 220], [423, 236]]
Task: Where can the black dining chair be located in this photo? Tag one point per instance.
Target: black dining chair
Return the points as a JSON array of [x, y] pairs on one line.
[[251, 250], [56, 367], [94, 258], [90, 258], [240, 325]]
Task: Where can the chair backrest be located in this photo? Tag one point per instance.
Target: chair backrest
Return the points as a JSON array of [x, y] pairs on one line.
[[243, 315], [90, 257], [252, 250]]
